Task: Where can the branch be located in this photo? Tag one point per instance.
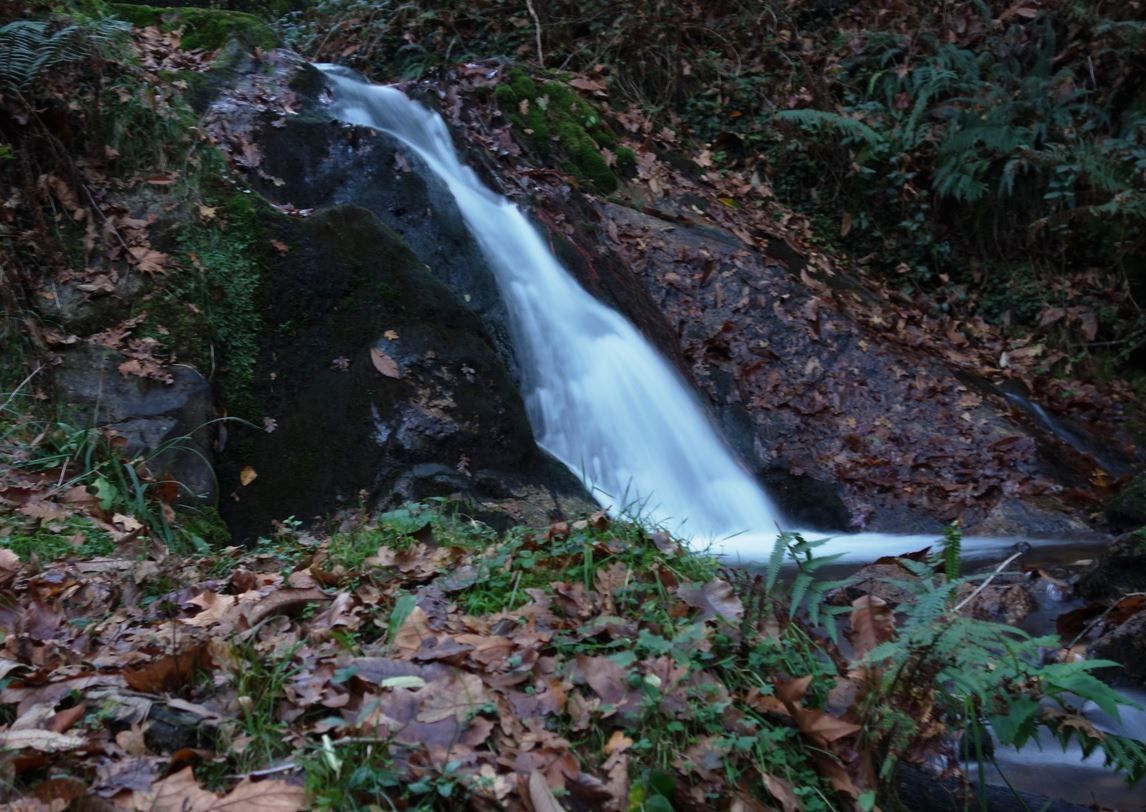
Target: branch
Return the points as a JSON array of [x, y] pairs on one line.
[[983, 585], [537, 32]]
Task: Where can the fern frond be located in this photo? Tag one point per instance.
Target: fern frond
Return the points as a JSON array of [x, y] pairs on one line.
[[822, 119], [30, 49]]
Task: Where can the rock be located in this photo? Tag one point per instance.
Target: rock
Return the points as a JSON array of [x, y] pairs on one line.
[[169, 424], [1127, 509], [1125, 644], [1011, 517], [84, 306], [1118, 570], [382, 386], [309, 161], [883, 580], [1001, 603]]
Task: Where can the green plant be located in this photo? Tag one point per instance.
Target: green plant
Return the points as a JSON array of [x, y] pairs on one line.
[[30, 49], [945, 672], [352, 776], [260, 678]]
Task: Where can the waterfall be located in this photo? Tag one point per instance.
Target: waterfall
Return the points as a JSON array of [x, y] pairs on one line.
[[598, 395]]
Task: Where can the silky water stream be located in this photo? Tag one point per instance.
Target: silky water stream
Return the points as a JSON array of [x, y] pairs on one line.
[[598, 395]]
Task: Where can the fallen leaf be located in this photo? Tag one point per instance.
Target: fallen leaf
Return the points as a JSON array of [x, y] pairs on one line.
[[782, 791], [541, 796], [248, 475], [148, 260], [384, 363], [44, 741], [280, 246], [872, 623], [717, 598]]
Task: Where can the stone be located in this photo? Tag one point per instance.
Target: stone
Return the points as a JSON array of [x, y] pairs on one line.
[[445, 419], [1126, 645], [1117, 570], [1126, 510], [168, 424], [1001, 603], [886, 581]]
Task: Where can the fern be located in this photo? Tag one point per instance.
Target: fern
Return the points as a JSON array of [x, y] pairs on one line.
[[30, 49], [817, 120]]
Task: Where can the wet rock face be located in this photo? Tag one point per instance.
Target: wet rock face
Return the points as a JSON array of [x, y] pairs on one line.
[[308, 160], [1127, 509], [895, 439], [381, 386], [1125, 645], [167, 423], [1119, 570]]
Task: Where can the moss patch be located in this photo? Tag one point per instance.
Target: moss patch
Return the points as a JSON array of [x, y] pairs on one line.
[[73, 535], [557, 120], [206, 28]]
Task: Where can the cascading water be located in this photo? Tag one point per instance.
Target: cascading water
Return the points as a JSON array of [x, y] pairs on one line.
[[598, 395]]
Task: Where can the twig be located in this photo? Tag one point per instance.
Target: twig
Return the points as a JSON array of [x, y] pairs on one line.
[[983, 585], [1090, 626], [23, 383], [537, 32]]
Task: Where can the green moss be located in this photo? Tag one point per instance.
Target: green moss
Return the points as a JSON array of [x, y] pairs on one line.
[[205, 28], [505, 96], [626, 159], [204, 527], [559, 123], [210, 314], [73, 536]]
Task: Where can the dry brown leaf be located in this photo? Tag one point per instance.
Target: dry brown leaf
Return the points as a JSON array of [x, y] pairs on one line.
[[45, 741], [248, 475], [214, 606], [541, 796], [782, 791], [148, 260], [384, 363], [717, 598], [872, 623]]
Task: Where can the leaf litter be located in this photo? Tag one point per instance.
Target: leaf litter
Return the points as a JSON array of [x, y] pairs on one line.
[[534, 671]]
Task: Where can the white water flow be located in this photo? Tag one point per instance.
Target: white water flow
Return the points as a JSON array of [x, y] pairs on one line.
[[599, 397]]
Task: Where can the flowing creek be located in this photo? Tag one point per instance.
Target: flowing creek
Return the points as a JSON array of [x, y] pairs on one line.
[[602, 401]]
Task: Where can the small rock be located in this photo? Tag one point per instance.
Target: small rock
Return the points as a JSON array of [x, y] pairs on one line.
[[1002, 603], [1117, 571], [877, 580], [1126, 644]]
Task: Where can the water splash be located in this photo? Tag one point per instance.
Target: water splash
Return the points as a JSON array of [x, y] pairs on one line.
[[598, 395]]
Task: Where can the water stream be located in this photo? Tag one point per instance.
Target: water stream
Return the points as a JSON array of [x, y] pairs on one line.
[[599, 396]]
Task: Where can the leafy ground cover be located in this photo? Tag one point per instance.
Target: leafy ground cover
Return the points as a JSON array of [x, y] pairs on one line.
[[418, 659]]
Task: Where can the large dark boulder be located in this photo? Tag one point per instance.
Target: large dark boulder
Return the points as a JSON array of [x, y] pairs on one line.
[[1125, 645], [377, 385]]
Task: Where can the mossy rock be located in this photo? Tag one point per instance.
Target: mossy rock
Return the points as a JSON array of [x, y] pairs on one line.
[[1119, 570], [559, 123], [206, 28], [1128, 507]]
